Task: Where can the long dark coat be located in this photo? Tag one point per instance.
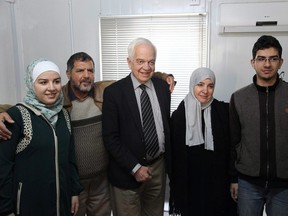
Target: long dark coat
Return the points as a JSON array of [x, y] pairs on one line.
[[199, 179], [39, 172]]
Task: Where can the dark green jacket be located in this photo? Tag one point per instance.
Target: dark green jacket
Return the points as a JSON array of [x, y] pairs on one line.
[[38, 170]]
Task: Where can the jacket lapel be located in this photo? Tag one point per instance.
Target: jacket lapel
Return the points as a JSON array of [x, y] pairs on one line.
[[160, 100], [132, 102]]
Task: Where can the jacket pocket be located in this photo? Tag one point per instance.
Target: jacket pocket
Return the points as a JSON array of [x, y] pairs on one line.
[[18, 197]]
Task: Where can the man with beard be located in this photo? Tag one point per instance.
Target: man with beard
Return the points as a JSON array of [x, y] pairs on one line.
[[83, 100]]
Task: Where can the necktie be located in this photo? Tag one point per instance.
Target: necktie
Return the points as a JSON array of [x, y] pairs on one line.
[[149, 128]]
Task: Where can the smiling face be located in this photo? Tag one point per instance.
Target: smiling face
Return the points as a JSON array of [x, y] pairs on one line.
[[266, 64], [47, 87], [203, 91], [143, 63]]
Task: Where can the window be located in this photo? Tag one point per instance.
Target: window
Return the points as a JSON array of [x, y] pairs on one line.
[[181, 42]]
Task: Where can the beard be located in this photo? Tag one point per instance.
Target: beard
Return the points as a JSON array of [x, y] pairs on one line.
[[82, 88]]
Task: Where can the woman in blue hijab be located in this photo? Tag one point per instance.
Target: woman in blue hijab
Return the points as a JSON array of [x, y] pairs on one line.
[[38, 174]]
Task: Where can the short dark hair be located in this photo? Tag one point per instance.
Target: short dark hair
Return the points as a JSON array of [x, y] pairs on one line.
[[79, 56], [266, 42]]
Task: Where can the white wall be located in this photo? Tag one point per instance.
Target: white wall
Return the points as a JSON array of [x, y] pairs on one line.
[[57, 28], [53, 29], [7, 68], [230, 54]]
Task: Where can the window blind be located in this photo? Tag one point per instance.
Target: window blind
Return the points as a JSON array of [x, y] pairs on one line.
[[181, 42]]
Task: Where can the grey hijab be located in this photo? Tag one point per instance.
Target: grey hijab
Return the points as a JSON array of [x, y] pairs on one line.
[[33, 71], [193, 109]]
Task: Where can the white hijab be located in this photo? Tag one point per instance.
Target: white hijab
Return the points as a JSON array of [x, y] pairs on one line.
[[193, 109]]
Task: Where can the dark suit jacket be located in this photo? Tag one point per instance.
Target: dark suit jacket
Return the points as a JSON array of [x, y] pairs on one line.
[[122, 129]]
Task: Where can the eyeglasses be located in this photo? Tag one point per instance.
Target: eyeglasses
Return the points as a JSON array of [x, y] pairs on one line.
[[273, 59]]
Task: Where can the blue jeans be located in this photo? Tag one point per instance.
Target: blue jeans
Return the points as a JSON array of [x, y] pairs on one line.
[[252, 198]]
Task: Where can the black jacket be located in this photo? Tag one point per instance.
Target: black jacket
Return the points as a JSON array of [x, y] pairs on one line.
[[122, 129]]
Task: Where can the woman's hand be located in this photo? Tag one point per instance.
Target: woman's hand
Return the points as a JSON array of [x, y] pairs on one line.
[[74, 205]]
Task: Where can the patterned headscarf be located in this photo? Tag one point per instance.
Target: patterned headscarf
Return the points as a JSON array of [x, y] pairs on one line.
[[33, 71], [193, 109]]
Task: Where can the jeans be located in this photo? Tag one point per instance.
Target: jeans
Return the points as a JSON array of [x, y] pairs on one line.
[[252, 198]]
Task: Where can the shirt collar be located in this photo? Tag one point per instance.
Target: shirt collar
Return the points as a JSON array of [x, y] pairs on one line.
[[136, 83]]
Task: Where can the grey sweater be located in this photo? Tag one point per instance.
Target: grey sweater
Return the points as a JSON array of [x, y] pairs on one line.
[[259, 123]]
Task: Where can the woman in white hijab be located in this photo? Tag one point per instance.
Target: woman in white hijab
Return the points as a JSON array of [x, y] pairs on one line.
[[199, 183], [38, 171]]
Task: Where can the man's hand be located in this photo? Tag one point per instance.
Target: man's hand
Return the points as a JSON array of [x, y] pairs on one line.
[[234, 191], [4, 132], [170, 80], [143, 174]]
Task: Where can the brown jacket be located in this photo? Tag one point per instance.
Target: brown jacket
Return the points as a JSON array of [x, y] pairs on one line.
[[98, 94], [4, 107]]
